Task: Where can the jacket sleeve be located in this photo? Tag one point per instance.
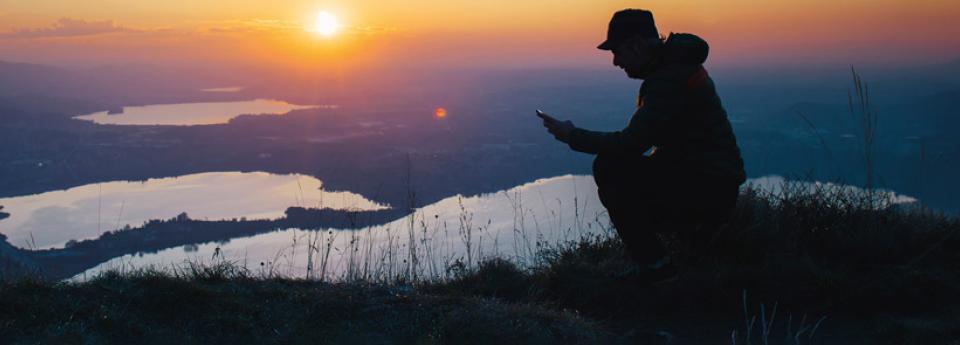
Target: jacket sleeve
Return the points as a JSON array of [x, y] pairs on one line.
[[643, 131]]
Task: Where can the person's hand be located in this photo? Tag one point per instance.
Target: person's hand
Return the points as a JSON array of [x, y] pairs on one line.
[[560, 129]]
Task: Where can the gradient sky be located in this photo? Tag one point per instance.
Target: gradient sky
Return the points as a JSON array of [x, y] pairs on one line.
[[490, 33]]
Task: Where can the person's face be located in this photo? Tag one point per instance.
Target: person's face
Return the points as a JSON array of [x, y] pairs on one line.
[[634, 57]]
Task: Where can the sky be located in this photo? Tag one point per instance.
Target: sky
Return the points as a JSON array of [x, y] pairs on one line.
[[462, 34]]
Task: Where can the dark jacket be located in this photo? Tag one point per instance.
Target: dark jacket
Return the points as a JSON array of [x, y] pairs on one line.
[[680, 114]]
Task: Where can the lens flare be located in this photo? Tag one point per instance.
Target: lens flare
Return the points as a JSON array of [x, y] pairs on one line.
[[440, 113]]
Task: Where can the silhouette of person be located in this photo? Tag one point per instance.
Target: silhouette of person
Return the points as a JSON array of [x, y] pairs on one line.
[[676, 167]]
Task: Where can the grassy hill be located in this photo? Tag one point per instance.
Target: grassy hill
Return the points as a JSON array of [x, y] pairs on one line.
[[831, 266]]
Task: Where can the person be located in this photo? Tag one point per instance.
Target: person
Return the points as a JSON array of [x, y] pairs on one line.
[[676, 167]]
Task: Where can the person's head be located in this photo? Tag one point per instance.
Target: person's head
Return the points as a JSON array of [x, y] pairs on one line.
[[633, 39]]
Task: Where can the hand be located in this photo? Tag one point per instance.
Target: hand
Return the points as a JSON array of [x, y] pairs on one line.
[[560, 129]]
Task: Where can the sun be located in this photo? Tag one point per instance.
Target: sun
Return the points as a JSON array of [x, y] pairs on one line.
[[326, 24]]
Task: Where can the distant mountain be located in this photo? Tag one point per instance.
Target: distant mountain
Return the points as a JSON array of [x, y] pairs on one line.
[[47, 89], [20, 78]]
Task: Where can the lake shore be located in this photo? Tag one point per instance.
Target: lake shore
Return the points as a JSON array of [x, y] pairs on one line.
[[155, 235]]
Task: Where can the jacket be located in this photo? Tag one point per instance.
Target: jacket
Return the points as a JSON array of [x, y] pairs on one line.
[[680, 115]]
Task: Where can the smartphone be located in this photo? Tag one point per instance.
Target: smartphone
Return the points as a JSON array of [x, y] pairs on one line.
[[544, 116]]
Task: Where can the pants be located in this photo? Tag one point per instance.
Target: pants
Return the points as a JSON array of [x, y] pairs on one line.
[[644, 199]]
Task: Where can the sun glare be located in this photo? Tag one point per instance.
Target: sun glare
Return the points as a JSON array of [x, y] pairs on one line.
[[326, 24]]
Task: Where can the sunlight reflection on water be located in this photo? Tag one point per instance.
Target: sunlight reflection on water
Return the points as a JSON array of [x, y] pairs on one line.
[[189, 114], [51, 219]]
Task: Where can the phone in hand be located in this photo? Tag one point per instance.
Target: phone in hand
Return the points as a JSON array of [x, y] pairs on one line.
[[544, 116]]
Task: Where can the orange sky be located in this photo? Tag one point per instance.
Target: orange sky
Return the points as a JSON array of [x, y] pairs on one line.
[[490, 33]]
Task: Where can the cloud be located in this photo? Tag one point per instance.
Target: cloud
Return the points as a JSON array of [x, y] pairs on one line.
[[373, 30], [69, 27], [249, 26]]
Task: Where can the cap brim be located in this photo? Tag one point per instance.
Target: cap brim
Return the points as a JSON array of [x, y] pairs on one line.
[[606, 45]]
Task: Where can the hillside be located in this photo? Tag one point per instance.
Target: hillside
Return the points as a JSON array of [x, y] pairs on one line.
[[791, 268]]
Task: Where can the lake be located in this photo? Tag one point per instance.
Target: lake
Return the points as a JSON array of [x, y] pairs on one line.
[[49, 220], [512, 224], [189, 114]]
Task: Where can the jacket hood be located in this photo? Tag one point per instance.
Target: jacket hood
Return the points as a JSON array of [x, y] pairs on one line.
[[685, 48]]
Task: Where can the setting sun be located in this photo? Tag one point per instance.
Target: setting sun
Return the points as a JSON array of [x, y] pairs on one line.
[[326, 24]]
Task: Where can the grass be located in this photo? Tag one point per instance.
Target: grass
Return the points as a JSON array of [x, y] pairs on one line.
[[832, 262], [222, 305], [828, 265]]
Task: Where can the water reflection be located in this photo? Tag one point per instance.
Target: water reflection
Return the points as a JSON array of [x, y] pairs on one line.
[[194, 113], [51, 219], [514, 223], [777, 185]]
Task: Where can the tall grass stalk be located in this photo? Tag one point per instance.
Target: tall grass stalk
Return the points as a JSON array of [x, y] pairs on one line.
[[862, 113]]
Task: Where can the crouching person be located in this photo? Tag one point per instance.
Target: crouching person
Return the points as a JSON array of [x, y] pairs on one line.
[[675, 167]]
